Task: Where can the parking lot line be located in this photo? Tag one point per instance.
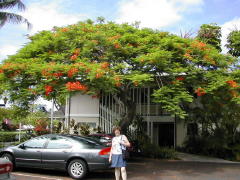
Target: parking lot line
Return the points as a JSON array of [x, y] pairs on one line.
[[27, 175]]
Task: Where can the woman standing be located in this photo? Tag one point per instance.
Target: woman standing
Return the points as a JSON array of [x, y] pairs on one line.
[[119, 142]]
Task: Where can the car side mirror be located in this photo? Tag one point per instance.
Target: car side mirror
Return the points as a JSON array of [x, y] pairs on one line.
[[22, 146]]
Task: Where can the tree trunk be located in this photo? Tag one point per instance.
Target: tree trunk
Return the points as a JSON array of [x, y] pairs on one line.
[[125, 99]]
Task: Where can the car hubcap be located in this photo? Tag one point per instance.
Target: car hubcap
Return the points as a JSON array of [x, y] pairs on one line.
[[5, 157], [77, 169]]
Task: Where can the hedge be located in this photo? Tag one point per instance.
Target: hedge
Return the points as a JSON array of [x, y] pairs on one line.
[[6, 136]]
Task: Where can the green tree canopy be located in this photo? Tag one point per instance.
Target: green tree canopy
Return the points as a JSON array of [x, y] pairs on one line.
[[113, 58], [233, 43], [210, 34]]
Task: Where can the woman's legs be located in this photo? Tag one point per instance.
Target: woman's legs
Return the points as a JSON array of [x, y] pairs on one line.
[[117, 173], [124, 173]]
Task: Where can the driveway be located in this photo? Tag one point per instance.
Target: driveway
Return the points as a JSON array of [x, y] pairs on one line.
[[150, 169]]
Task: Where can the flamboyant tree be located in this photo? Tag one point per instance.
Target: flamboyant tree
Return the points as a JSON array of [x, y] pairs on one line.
[[113, 58]]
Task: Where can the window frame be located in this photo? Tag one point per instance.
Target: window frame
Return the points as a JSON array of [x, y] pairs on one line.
[[49, 140], [44, 144]]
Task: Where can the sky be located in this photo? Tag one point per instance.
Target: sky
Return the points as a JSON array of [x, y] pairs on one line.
[[174, 16]]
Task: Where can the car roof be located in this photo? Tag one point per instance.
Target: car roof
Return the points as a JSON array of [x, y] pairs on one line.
[[72, 136], [63, 135], [96, 134]]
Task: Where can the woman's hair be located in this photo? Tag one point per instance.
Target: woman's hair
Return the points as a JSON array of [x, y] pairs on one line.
[[116, 128]]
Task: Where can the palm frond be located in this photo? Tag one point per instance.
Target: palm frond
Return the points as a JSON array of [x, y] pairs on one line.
[[13, 18], [7, 4]]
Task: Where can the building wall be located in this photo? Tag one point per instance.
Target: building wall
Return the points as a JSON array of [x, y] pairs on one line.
[[84, 108], [181, 132]]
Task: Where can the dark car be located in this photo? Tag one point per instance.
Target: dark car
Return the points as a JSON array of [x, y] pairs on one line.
[[5, 168], [75, 154]]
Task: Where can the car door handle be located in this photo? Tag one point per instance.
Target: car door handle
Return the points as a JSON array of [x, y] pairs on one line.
[[65, 151], [38, 151]]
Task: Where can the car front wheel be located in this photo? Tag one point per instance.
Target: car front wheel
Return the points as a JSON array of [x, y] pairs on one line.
[[77, 169], [8, 157]]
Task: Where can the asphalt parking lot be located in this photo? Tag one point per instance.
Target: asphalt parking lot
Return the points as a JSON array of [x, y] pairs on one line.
[[146, 169]]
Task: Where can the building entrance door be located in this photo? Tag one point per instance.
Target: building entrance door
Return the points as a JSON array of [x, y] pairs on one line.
[[166, 134]]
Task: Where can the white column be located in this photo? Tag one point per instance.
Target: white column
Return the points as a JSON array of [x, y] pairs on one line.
[[52, 110], [20, 128], [66, 112], [148, 112]]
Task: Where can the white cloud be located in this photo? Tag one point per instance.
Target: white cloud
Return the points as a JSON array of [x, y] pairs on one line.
[[154, 13], [45, 16], [7, 50], [227, 27]]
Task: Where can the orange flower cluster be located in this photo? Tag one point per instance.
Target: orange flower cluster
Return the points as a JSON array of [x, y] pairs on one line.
[[234, 93], [180, 78], [88, 70], [118, 84], [1, 71], [7, 66], [117, 81], [200, 92], [114, 37], [72, 72], [207, 58], [76, 86], [99, 75], [232, 83], [105, 65], [199, 45], [95, 41], [75, 54], [117, 45], [96, 96], [48, 90], [74, 57], [15, 73], [87, 29], [136, 83], [64, 29], [188, 56], [48, 74], [57, 74]]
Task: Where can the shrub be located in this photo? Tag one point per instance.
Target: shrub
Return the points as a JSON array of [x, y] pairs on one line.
[[210, 145], [154, 151], [8, 136], [84, 129], [39, 130]]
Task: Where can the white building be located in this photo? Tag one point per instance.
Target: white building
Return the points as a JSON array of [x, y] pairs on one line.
[[161, 127]]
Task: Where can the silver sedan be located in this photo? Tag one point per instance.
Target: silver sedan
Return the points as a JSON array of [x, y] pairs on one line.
[[76, 154]]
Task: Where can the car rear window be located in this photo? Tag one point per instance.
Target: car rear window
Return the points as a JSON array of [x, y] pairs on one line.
[[88, 142]]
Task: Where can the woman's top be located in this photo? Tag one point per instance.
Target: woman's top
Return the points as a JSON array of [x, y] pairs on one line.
[[116, 146]]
